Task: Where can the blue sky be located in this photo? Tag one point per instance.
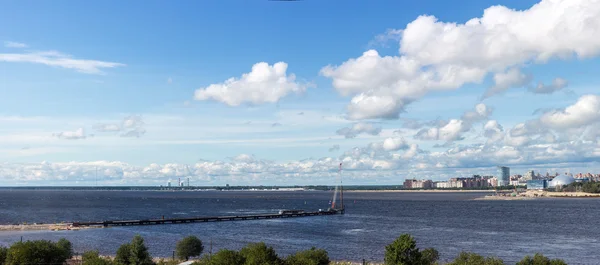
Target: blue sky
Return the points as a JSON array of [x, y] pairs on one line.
[[139, 89]]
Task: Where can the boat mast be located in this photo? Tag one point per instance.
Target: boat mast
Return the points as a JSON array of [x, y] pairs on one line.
[[341, 189]]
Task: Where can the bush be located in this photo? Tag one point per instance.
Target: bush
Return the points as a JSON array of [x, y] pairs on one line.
[[93, 258], [139, 252], [259, 254], [190, 246], [66, 247], [36, 252], [466, 258], [404, 251], [134, 253], [539, 259], [429, 256], [312, 256], [3, 252], [226, 257], [123, 255]]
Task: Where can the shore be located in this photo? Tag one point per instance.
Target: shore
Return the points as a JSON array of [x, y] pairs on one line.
[[539, 194], [412, 191], [38, 227]]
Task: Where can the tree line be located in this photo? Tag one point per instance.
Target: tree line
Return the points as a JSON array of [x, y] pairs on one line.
[[403, 251], [589, 187]]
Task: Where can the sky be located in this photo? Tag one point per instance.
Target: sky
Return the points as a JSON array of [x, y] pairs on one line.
[[280, 93]]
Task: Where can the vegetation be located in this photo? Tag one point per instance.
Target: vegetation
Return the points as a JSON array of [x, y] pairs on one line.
[[260, 254], [38, 252], [312, 256], [93, 258], [402, 251], [589, 187], [123, 254], [539, 259], [223, 257], [467, 258], [190, 246], [3, 252]]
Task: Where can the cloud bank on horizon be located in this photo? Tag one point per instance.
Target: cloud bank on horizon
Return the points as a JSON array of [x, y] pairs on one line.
[[508, 87]]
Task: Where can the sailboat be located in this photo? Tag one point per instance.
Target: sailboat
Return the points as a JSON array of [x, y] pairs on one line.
[[338, 189]]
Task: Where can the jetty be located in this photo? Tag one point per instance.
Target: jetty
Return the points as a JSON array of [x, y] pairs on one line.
[[333, 210], [205, 219]]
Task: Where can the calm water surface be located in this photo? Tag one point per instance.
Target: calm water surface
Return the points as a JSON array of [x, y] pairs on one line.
[[449, 222]]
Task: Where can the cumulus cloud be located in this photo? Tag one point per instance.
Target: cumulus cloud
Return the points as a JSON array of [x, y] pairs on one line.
[[503, 81], [585, 111], [71, 135], [130, 126], [101, 127], [12, 44], [557, 84], [437, 56], [264, 84], [453, 129], [335, 147], [57, 59], [359, 128], [387, 36]]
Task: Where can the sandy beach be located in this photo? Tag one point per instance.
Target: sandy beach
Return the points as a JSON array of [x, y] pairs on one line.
[[38, 227]]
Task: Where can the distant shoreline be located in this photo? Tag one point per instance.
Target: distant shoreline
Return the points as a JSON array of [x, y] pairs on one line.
[[423, 191]]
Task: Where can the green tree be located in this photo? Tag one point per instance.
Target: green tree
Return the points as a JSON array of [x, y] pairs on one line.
[[35, 252], [93, 258], [259, 254], [312, 256], [429, 256], [466, 258], [66, 248], [539, 259], [3, 252], [138, 252], [190, 246], [226, 257], [403, 251], [123, 254]]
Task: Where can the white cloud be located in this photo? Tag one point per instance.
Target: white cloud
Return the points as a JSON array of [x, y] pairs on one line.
[[264, 84], [106, 127], [557, 84], [71, 135], [169, 80], [493, 131], [12, 44], [359, 128], [130, 126], [585, 111], [437, 55], [454, 129], [384, 38], [509, 79], [335, 147], [394, 144], [56, 59]]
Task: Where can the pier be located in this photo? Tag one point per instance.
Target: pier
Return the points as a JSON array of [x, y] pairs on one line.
[[204, 219]]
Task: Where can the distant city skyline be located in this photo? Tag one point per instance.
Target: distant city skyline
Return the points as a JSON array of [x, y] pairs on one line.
[[271, 93]]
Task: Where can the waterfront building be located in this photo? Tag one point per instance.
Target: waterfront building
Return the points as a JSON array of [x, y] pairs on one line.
[[537, 184], [418, 184], [560, 181], [503, 176], [530, 175], [493, 182]]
